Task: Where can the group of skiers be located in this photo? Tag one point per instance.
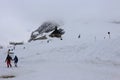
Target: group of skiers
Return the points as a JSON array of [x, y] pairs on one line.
[[10, 57]]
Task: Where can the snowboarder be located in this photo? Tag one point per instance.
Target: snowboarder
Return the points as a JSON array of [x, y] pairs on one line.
[[15, 61], [8, 61]]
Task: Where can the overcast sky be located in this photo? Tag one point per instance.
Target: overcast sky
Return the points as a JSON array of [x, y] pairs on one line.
[[18, 18]]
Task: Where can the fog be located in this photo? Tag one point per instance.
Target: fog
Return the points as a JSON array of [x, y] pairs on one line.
[[18, 18]]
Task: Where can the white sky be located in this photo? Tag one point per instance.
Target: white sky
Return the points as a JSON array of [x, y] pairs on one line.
[[18, 18]]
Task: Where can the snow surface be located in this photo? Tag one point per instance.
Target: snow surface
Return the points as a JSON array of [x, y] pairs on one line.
[[91, 57]]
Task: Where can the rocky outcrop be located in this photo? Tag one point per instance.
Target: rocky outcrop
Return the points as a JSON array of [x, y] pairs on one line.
[[46, 27]]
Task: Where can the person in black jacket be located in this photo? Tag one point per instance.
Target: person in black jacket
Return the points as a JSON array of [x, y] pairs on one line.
[[15, 60], [8, 61]]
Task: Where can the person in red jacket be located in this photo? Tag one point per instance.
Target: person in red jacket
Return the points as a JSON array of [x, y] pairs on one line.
[[8, 61]]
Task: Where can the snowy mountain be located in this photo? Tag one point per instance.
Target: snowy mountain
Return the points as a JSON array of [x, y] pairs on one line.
[[93, 56]]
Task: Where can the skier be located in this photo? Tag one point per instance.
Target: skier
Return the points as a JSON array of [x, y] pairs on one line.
[[8, 61], [79, 36], [15, 60]]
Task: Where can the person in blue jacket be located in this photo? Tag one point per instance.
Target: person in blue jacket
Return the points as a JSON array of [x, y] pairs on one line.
[[15, 60]]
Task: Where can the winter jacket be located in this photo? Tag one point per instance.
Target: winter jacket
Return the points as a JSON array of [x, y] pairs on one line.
[[15, 59], [8, 58]]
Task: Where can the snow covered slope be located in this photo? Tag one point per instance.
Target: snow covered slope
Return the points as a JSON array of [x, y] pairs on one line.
[[91, 57]]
